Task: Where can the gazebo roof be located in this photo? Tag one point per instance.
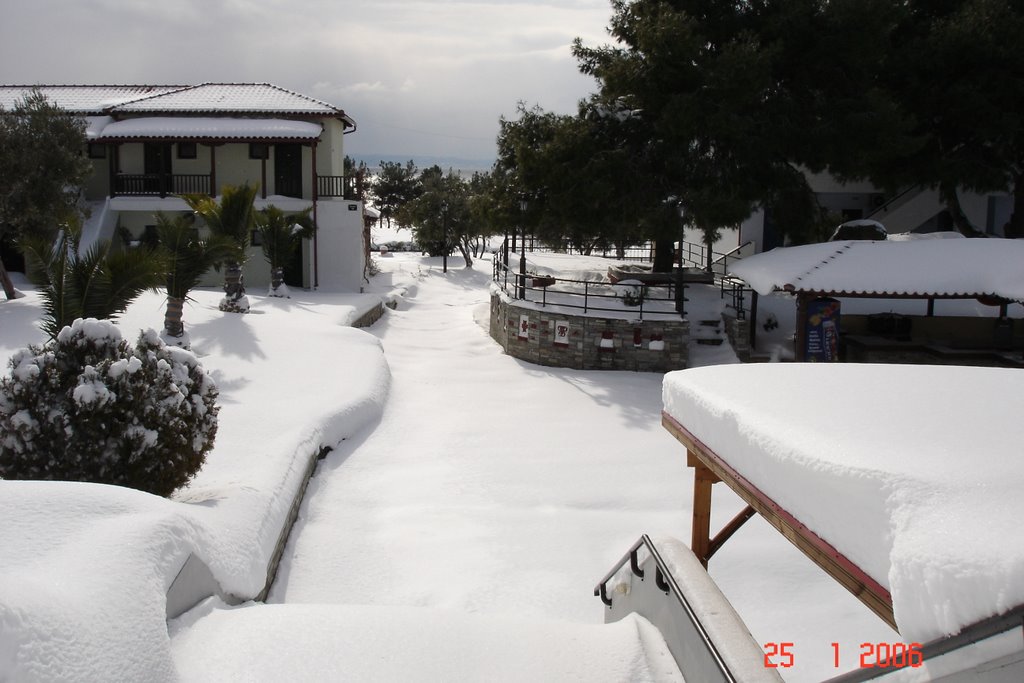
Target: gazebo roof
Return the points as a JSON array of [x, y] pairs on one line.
[[954, 268]]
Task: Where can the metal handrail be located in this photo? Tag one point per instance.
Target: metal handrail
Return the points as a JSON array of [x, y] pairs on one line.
[[520, 289], [666, 582]]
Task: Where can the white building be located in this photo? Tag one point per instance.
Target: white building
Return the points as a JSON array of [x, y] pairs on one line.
[[150, 143]]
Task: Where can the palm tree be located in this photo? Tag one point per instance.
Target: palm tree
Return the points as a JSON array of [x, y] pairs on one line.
[[232, 217], [100, 283], [188, 258], [280, 235]]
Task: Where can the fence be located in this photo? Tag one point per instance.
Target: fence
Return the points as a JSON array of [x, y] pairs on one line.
[[590, 296]]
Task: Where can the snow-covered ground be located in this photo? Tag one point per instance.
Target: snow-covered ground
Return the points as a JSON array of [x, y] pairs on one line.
[[456, 531]]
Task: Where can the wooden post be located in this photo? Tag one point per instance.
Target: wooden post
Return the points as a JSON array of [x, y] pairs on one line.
[[800, 342], [700, 532], [213, 170]]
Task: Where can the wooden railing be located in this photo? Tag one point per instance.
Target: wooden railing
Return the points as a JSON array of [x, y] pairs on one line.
[[160, 184], [337, 186]]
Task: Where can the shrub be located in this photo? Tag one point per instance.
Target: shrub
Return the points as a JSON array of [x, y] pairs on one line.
[[87, 406]]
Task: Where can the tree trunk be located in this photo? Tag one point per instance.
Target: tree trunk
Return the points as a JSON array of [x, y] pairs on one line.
[[1015, 227], [950, 197], [664, 255], [5, 279], [276, 280], [234, 300], [173, 324], [465, 254]]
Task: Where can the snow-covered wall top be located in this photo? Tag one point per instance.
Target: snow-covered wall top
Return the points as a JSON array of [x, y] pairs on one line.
[[927, 502], [967, 267]]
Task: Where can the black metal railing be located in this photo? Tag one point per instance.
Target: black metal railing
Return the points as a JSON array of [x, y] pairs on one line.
[[160, 184], [589, 295], [627, 252], [702, 655], [738, 293]]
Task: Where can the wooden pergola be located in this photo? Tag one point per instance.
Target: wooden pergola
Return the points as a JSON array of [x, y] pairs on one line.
[[710, 468]]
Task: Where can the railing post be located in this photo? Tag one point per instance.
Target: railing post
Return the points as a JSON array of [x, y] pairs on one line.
[[680, 297]]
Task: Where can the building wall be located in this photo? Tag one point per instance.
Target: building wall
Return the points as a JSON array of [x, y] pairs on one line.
[[330, 153], [340, 244]]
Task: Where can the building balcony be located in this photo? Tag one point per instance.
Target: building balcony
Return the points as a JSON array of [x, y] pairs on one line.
[[170, 184]]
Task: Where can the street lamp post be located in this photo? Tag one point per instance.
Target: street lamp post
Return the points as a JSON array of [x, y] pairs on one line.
[[444, 247], [522, 253], [680, 284]]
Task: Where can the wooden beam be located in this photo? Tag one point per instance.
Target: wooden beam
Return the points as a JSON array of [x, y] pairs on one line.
[[835, 564], [700, 530], [729, 529]]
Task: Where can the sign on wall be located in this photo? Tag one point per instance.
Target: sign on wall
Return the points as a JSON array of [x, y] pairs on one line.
[[822, 338], [561, 333], [524, 327]]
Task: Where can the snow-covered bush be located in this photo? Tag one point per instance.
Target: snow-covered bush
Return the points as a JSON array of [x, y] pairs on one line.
[[88, 406]]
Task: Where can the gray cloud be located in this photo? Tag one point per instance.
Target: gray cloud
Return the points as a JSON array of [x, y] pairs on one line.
[[420, 78]]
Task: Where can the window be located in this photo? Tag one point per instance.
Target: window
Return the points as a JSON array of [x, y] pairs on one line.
[[259, 150], [97, 151], [186, 150]]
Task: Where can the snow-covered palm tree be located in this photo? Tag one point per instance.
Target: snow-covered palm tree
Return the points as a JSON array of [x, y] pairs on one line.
[[189, 256], [280, 235], [233, 216], [97, 283]]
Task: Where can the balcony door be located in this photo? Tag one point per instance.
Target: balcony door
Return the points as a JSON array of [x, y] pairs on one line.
[[157, 167], [288, 170]]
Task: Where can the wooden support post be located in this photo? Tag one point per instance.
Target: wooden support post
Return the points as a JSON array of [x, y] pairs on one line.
[[700, 532]]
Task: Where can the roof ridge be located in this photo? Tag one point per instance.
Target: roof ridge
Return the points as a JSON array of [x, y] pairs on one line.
[[176, 89]]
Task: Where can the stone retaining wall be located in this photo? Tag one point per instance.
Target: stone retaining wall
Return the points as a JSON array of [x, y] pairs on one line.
[[588, 342]]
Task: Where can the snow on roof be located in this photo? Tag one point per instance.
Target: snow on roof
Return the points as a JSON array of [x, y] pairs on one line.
[[230, 97], [208, 127], [94, 125], [222, 98], [83, 99], [927, 501], [939, 268]]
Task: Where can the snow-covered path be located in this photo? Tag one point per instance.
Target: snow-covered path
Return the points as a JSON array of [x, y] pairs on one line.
[[483, 485], [461, 536]]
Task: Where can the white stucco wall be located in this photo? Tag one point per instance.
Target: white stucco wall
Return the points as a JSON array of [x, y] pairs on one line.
[[340, 245]]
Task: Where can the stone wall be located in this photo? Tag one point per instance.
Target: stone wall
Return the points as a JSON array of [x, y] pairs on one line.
[[738, 332], [588, 342]]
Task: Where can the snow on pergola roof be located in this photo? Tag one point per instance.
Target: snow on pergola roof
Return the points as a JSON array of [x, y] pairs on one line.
[[962, 268], [927, 501], [203, 128]]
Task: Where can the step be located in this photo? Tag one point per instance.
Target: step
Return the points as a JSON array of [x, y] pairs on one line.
[[364, 642]]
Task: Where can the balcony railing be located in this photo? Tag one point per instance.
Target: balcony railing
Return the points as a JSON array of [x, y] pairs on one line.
[[163, 185], [160, 184], [346, 187]]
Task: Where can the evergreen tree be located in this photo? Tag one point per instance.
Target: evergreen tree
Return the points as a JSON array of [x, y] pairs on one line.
[[396, 185], [42, 169]]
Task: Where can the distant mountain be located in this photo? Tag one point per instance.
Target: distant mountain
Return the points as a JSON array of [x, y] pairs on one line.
[[461, 165]]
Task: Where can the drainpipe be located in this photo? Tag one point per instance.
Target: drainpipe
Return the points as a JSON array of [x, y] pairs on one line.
[[316, 252]]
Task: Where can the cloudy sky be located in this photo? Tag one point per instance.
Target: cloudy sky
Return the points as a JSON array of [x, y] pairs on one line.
[[421, 78]]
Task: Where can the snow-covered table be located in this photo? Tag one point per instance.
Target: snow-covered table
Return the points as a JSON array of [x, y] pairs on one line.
[[906, 483]]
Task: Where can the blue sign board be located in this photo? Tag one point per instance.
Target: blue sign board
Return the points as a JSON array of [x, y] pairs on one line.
[[821, 341]]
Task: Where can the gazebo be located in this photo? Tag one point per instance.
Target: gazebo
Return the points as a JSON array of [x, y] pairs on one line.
[[989, 270]]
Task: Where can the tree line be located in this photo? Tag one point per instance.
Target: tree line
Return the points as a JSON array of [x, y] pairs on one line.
[[706, 110]]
